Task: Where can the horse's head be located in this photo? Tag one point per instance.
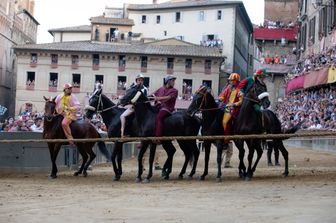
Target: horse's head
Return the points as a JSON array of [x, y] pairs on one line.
[[95, 104], [133, 95], [49, 108], [201, 100], [258, 93]]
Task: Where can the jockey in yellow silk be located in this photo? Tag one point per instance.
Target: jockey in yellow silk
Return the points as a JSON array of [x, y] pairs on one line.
[[67, 105], [231, 102]]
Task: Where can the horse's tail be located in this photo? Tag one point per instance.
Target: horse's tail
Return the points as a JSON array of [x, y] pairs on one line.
[[102, 148], [292, 130]]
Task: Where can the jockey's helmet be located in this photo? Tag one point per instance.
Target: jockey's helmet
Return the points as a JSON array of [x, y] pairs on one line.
[[260, 72], [139, 76], [234, 77], [67, 85], [168, 78]]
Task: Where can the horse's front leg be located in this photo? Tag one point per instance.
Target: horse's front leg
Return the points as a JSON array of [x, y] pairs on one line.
[[144, 145], [53, 150], [187, 155], [113, 159], [250, 160], [257, 146], [207, 147], [241, 167], [152, 150], [219, 161], [195, 153]]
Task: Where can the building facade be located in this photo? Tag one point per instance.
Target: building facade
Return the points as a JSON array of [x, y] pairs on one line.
[[199, 22], [274, 43], [17, 26], [43, 69], [317, 20]]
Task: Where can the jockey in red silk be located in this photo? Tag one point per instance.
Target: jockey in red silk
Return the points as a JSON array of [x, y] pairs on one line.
[[247, 83], [165, 99], [67, 105], [232, 101]]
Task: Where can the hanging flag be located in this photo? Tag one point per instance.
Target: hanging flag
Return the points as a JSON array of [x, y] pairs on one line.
[[2, 110]]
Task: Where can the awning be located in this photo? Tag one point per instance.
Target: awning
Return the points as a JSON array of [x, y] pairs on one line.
[[296, 83], [315, 78], [332, 75]]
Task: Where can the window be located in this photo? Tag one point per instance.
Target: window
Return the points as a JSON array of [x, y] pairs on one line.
[[304, 37], [53, 81], [165, 33], [54, 58], [33, 59], [312, 29], [178, 17], [30, 82], [180, 37], [97, 34], [201, 16], [207, 83], [95, 61], [186, 89], [122, 62], [143, 19], [143, 60], [74, 61], [170, 65], [76, 82], [207, 67], [99, 79], [158, 19], [146, 82], [122, 85], [219, 15], [323, 21], [188, 66]]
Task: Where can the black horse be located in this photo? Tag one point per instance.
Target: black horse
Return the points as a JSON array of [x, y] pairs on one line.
[[211, 125], [110, 112], [80, 130], [248, 121], [178, 124]]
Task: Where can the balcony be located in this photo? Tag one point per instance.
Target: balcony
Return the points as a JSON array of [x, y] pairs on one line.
[[53, 65], [188, 71], [95, 66], [74, 66], [30, 87], [76, 89], [121, 68], [33, 64], [207, 70], [52, 89], [275, 33]]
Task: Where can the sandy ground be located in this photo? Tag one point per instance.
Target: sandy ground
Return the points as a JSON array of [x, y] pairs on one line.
[[307, 195]]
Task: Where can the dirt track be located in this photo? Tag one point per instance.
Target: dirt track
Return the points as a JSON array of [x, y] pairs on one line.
[[307, 195]]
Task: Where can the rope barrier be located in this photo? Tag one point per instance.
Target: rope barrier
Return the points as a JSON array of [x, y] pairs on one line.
[[163, 138]]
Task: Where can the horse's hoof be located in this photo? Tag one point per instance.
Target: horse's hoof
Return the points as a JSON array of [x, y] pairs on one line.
[[218, 179], [189, 178], [146, 181], [241, 176], [76, 174], [85, 174], [116, 178], [52, 177], [163, 174], [285, 174], [201, 178], [248, 178], [165, 177], [180, 177], [137, 180]]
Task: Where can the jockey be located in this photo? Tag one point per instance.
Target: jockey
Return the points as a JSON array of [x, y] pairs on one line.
[[139, 81], [232, 99], [247, 83], [67, 105], [165, 99]]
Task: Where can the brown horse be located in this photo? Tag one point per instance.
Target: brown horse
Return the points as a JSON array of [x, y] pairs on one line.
[[80, 130]]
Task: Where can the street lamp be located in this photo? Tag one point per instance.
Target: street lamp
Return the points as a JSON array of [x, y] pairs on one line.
[[319, 3]]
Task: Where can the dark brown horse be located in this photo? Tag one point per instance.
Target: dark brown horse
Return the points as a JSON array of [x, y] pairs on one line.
[[80, 130]]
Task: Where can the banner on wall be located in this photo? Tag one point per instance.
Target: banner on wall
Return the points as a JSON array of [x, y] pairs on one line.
[[332, 75]]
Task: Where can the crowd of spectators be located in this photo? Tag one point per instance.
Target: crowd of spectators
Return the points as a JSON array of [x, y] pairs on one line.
[[273, 59], [269, 24], [212, 43], [314, 109]]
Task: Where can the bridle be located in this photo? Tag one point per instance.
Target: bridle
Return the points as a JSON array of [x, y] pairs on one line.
[[49, 118], [101, 104], [203, 101]]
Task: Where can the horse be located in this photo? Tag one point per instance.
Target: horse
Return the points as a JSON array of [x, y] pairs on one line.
[[211, 125], [80, 130], [110, 112], [248, 121], [178, 123]]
